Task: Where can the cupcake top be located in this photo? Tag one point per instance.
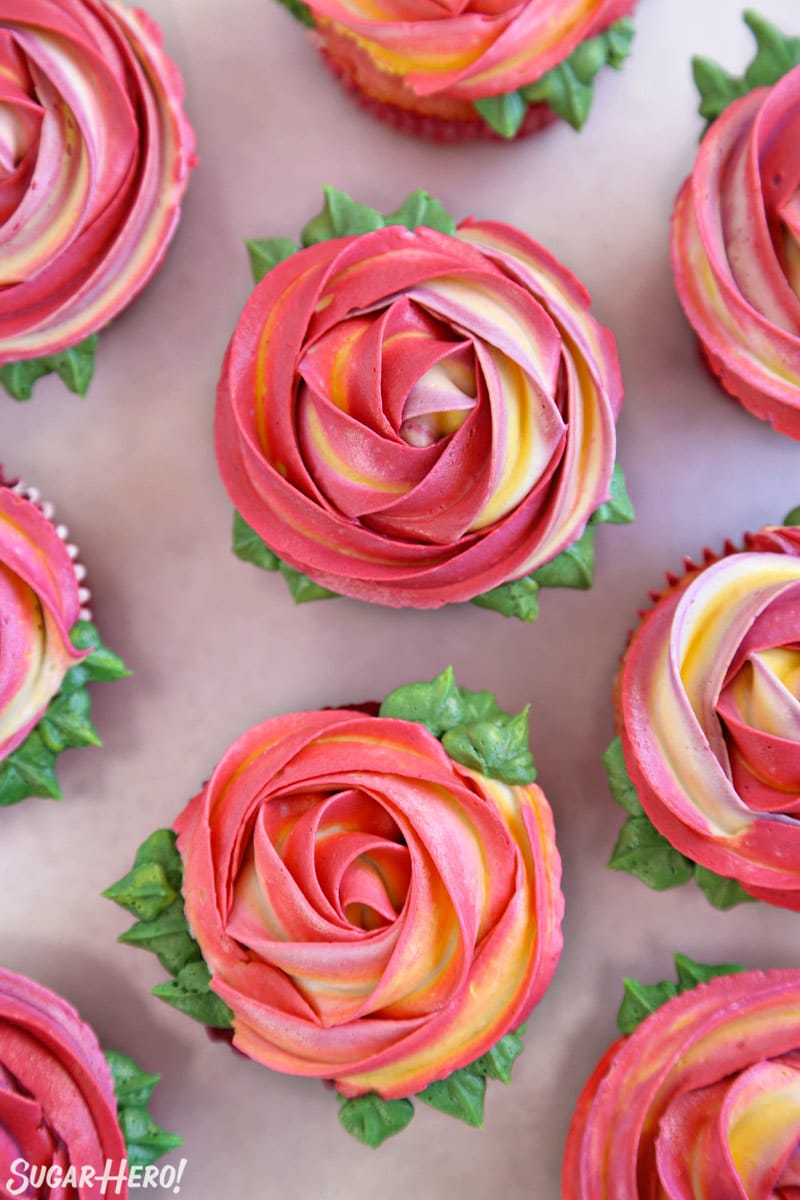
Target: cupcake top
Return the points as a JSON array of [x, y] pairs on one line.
[[702, 1099], [736, 229], [375, 899], [709, 721], [68, 1112], [49, 648], [439, 422], [92, 174]]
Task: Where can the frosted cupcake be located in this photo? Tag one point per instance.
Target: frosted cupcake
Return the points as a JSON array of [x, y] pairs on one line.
[[49, 649], [707, 764], [71, 1115], [464, 72], [367, 898], [93, 167], [736, 229], [415, 413], [701, 1097]]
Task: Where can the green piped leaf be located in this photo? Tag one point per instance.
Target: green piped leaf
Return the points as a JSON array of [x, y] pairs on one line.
[[461, 1095], [793, 517], [573, 567], [717, 87], [618, 509], [776, 55], [720, 892], [190, 992], [341, 216], [520, 599], [569, 87], [29, 771], [437, 705], [639, 1000], [419, 208], [498, 1062], [101, 665], [619, 781], [145, 1140], [300, 11], [145, 891], [478, 706], [498, 747], [66, 722], [250, 547], [642, 851], [372, 1120], [167, 936], [301, 587], [266, 253], [504, 114], [74, 366]]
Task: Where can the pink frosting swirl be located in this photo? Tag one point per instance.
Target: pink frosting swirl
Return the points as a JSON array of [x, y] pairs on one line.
[[736, 251], [701, 1102], [469, 50], [39, 604], [371, 911], [57, 1104], [710, 708], [94, 159], [413, 418]]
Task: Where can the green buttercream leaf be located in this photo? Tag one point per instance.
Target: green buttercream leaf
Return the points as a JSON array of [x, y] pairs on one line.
[[419, 208], [190, 993], [167, 936], [145, 1140], [372, 1120], [569, 87], [520, 599], [266, 253], [722, 893], [101, 664], [619, 781], [642, 851], [250, 547], [75, 367], [504, 114], [437, 705], [29, 771], [639, 1000], [301, 587], [461, 1095], [716, 86], [573, 567], [341, 216], [618, 509], [690, 973], [498, 748], [498, 1062], [478, 706], [777, 53], [793, 517], [145, 891], [300, 11], [66, 722]]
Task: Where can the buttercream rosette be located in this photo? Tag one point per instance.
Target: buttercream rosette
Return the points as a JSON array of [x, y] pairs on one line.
[[413, 413], [360, 905], [463, 71], [708, 705], [736, 230], [701, 1101], [95, 153], [49, 648], [67, 1110]]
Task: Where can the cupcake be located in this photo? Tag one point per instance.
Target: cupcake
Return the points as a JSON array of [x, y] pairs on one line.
[[459, 73], [91, 178], [364, 895], [49, 648], [707, 764], [415, 413], [736, 229], [701, 1098], [73, 1119]]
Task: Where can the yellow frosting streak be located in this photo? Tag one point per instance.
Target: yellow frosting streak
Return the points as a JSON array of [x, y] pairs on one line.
[[523, 460], [759, 1131], [341, 466]]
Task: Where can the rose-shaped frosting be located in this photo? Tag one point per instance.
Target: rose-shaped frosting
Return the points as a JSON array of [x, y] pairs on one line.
[[57, 1104], [736, 251], [39, 604], [94, 158], [371, 911], [710, 707], [413, 418], [701, 1102], [469, 50]]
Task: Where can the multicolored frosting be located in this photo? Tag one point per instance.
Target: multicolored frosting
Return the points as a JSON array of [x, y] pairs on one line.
[[736, 247], [414, 417], [95, 153], [39, 604], [709, 709], [376, 898], [701, 1101]]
